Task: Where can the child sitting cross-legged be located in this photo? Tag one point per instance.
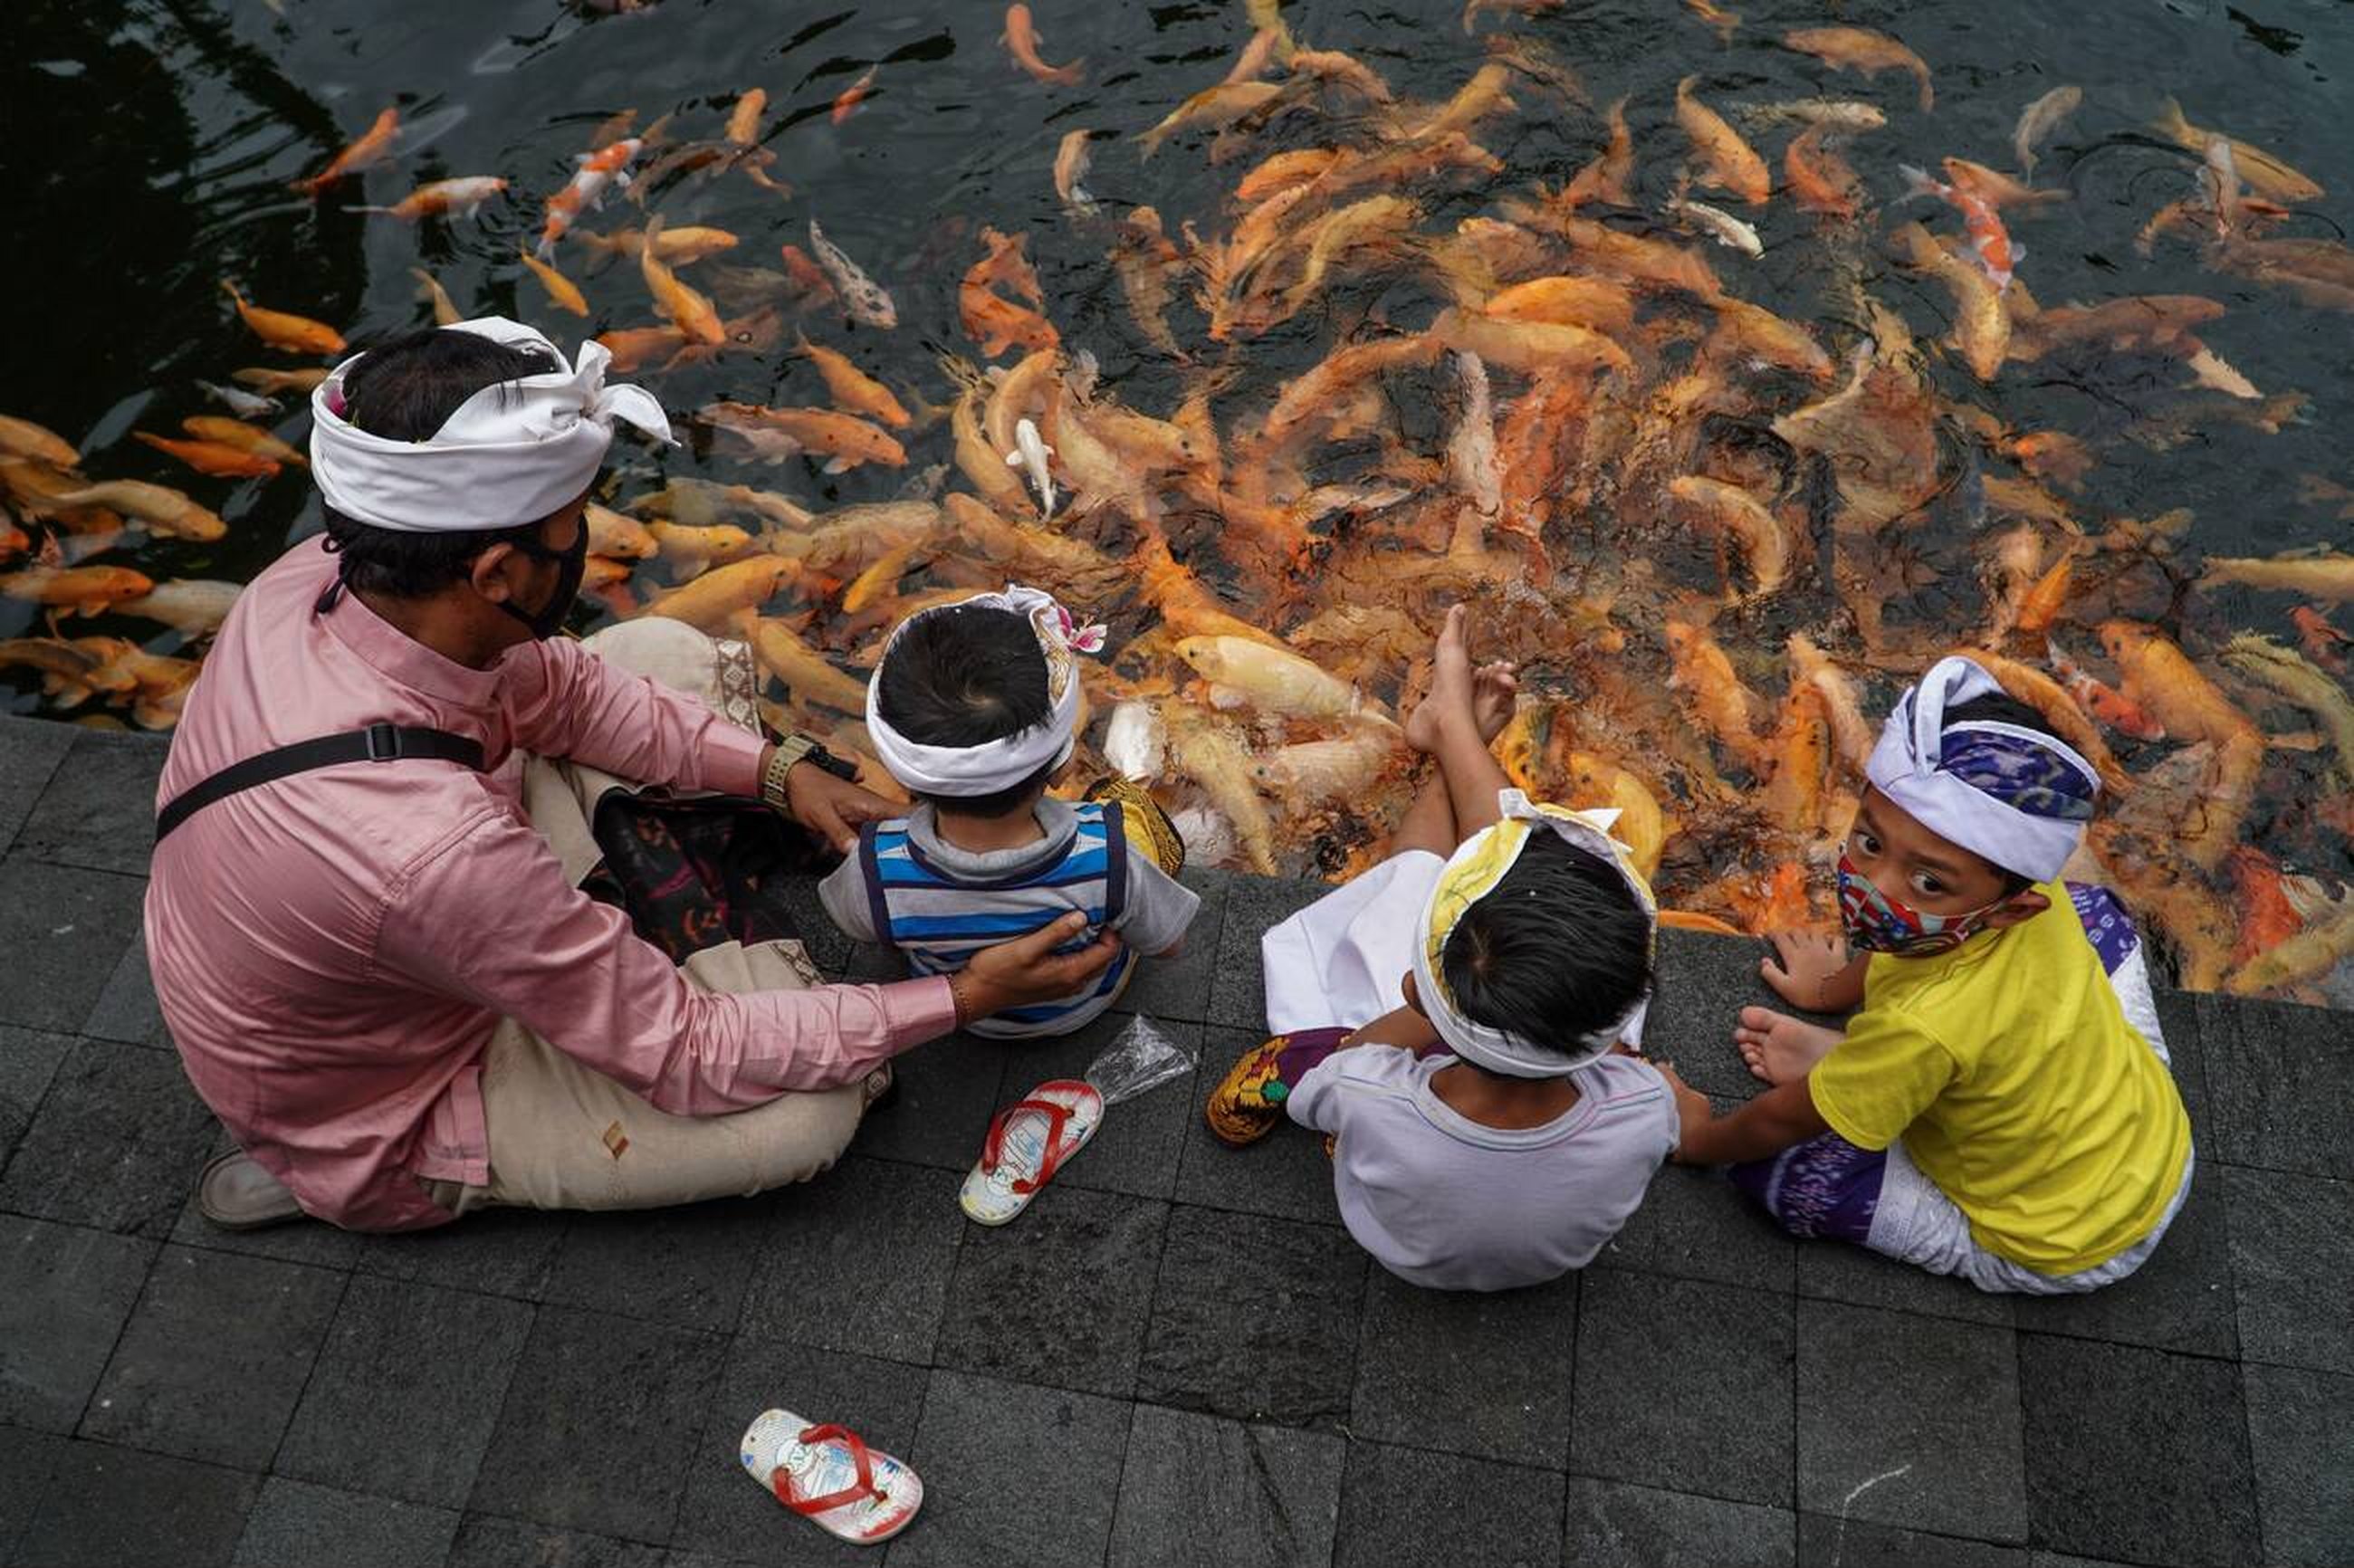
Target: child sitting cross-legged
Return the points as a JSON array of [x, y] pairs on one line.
[[1491, 1131], [974, 710], [1998, 1106]]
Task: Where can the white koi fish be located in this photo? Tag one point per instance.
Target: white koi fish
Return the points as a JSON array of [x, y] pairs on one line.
[[866, 299], [1030, 454]]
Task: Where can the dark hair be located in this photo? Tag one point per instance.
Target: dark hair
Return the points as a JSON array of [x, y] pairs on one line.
[[964, 675], [406, 391], [2003, 708], [1557, 950]]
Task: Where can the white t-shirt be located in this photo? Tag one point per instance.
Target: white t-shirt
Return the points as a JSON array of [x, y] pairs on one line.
[[1443, 1201]]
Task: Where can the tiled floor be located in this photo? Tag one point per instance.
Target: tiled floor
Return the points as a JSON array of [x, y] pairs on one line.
[[1177, 1357]]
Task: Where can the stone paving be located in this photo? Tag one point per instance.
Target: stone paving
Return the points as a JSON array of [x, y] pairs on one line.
[[1176, 1357]]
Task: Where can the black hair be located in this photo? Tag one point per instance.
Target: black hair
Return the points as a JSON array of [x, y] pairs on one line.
[[1998, 707], [964, 675], [406, 391], [1555, 951]]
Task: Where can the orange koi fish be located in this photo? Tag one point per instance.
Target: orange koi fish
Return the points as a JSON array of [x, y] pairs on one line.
[[2103, 702], [1860, 48], [608, 165], [461, 197], [278, 329], [562, 291], [212, 458], [373, 147], [688, 311], [1021, 37], [2323, 643], [1989, 241], [846, 102]]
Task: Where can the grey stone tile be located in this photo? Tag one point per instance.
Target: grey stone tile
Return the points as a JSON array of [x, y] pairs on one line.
[[947, 1090], [2063, 1560], [1237, 989], [118, 1508], [1060, 1296], [2292, 1254], [30, 750], [1702, 982], [1683, 1384], [295, 1522], [1276, 1491], [1254, 1319], [1695, 1224], [126, 1010], [1830, 1542], [64, 930], [313, 1242], [1181, 988], [1909, 1421], [486, 1541], [1285, 1175], [2188, 1494], [398, 1360], [25, 1460], [2181, 1299], [1013, 1476], [29, 1059], [1472, 1372], [1403, 1508], [98, 810], [600, 1425], [687, 1267], [117, 1143], [498, 1251], [732, 1516], [859, 1260], [1835, 1271], [65, 1293], [214, 1357], [1615, 1525], [1136, 1148], [2281, 1083], [828, 948], [2301, 1434]]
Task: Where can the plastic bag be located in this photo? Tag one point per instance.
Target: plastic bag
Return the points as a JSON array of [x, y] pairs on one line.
[[1139, 1058]]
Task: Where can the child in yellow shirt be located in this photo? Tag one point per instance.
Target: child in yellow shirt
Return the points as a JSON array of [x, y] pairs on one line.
[[1999, 1107]]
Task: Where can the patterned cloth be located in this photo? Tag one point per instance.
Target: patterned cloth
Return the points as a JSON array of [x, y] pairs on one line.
[[2021, 773], [691, 874], [1248, 1102], [1148, 826]]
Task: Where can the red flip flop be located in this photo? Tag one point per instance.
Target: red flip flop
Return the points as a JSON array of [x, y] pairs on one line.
[[830, 1476], [1028, 1142]]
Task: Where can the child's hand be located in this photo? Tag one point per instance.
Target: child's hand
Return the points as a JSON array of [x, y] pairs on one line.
[[1693, 1111], [1808, 962]]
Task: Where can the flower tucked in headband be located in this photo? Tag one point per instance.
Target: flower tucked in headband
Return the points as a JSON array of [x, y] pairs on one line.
[[1000, 764], [2016, 797], [512, 453], [1473, 871]]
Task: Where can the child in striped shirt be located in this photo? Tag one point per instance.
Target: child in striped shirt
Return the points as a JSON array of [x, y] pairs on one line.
[[974, 710]]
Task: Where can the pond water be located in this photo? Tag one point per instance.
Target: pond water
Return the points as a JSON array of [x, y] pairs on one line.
[[151, 144]]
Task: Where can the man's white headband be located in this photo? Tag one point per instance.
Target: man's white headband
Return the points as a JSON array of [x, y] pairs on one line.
[[2019, 797], [1472, 874], [511, 454], [993, 765]]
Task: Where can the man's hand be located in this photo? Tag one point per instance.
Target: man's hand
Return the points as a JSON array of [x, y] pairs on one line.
[[832, 808], [1694, 1112], [1027, 971]]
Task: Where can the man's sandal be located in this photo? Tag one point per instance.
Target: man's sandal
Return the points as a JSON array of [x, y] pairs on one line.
[[831, 1478], [1028, 1142]]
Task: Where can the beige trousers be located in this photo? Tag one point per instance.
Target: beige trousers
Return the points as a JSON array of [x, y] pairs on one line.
[[564, 1135]]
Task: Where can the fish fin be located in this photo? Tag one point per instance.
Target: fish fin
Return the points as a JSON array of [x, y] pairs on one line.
[[1014, 458], [1917, 181], [2018, 253], [367, 209], [838, 465]]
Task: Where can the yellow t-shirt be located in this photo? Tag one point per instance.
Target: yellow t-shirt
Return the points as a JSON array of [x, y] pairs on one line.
[[2018, 1088]]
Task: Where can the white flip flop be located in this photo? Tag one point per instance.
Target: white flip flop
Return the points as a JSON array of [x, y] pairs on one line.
[[830, 1476], [1028, 1142]]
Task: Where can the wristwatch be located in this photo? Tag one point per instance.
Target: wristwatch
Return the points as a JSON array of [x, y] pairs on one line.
[[799, 747]]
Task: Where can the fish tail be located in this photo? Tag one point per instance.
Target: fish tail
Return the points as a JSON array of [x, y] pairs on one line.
[[1917, 181], [2170, 122], [367, 209]]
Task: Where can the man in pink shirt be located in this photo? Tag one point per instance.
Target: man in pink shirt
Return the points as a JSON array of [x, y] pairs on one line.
[[381, 975]]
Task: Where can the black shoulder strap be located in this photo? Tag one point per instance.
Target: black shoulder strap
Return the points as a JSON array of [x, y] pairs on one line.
[[377, 743]]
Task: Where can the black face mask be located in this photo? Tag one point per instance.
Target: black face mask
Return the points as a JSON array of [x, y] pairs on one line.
[[571, 564]]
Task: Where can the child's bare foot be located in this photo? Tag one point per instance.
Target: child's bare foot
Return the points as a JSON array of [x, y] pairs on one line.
[[1452, 686], [1779, 1048], [1495, 691]]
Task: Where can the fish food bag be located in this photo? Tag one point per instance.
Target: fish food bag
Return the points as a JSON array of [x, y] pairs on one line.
[[1140, 1058]]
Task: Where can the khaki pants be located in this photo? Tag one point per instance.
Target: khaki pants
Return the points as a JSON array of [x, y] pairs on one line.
[[555, 1125]]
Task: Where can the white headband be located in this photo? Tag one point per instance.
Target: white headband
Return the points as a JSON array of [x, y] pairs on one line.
[[2032, 769], [511, 453], [1479, 864], [993, 765]]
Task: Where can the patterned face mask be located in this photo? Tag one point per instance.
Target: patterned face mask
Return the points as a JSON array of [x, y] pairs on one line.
[[1879, 924]]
